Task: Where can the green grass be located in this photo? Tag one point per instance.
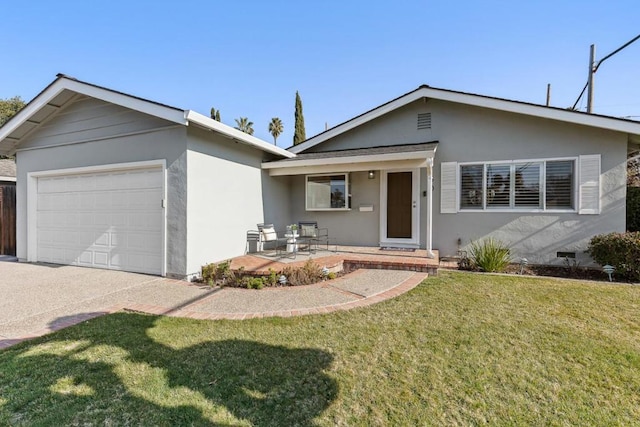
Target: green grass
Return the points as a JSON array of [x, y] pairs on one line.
[[460, 349]]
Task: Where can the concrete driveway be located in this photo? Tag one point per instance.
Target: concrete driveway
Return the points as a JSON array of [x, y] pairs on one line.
[[36, 298]]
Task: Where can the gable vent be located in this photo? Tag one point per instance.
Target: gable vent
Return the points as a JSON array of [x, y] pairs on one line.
[[424, 121]]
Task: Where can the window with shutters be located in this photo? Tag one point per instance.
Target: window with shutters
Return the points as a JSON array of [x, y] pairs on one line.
[[539, 185]]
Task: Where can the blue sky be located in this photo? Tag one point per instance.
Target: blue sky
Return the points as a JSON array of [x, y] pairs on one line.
[[249, 58]]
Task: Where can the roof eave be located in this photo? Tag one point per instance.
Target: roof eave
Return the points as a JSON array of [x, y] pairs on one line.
[[209, 123]]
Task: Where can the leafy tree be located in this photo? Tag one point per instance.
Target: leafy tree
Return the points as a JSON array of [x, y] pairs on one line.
[[299, 134], [243, 124], [9, 108], [275, 128], [633, 169], [215, 114]]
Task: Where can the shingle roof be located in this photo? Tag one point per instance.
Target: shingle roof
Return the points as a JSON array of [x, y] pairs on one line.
[[7, 168], [353, 152]]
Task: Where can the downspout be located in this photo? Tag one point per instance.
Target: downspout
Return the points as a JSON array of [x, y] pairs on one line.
[[430, 253]]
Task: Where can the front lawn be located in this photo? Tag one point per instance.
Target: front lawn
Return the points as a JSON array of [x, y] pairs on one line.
[[459, 349]]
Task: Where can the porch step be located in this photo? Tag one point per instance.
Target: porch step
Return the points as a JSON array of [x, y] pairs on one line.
[[355, 264]]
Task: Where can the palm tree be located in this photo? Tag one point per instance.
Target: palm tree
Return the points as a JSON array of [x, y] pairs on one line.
[[275, 128], [243, 124]]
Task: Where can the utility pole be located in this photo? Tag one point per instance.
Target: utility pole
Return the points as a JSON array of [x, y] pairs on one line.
[[548, 94], [593, 67], [592, 72]]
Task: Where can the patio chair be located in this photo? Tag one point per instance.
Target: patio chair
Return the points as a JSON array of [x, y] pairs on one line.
[[269, 237], [312, 236]]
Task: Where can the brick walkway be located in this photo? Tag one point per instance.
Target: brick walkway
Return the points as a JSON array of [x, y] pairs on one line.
[[358, 289]]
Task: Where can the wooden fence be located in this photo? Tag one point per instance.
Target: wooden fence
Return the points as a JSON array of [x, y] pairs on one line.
[[8, 220]]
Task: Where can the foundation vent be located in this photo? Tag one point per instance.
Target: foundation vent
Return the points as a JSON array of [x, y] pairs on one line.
[[424, 121]]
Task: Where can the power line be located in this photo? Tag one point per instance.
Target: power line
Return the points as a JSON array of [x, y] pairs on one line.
[[593, 67]]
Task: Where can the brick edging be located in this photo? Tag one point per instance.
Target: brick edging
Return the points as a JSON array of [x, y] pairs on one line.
[[401, 288]]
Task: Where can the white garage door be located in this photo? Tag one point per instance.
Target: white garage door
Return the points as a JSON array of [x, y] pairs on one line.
[[108, 220]]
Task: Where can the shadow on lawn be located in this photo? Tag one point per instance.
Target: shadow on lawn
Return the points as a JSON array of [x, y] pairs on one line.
[[259, 383]]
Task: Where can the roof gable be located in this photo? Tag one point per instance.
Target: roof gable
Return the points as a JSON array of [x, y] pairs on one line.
[[518, 107], [65, 90]]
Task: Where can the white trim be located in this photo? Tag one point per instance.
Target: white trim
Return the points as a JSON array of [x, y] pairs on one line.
[[512, 163], [8, 178], [414, 241], [429, 242], [346, 199], [349, 167], [341, 160], [32, 199], [597, 121], [209, 123]]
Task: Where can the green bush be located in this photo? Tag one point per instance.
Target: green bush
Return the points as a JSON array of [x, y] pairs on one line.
[[255, 283], [309, 273], [621, 250], [490, 255], [218, 274], [633, 208], [209, 274]]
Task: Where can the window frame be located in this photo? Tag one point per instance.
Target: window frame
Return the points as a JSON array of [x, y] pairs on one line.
[[347, 191], [512, 208]]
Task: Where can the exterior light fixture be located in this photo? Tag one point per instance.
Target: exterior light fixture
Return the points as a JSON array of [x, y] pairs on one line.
[[523, 263], [325, 271], [282, 280], [372, 174], [609, 269]]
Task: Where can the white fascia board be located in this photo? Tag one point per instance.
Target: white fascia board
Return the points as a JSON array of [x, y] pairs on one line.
[[209, 123], [161, 111], [372, 158], [351, 167], [610, 123], [534, 110], [167, 113], [8, 178]]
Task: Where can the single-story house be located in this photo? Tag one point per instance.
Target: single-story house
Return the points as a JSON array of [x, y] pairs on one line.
[[110, 180]]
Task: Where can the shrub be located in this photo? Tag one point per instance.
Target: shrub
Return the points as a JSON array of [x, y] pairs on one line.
[[309, 273], [272, 280], [621, 250], [209, 274], [255, 282], [490, 255], [633, 208], [331, 275], [218, 274]]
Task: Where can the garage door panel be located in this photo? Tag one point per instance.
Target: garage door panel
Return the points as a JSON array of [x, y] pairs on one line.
[[108, 220]]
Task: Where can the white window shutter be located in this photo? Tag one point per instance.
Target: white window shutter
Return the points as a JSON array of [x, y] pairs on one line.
[[448, 187], [589, 193]]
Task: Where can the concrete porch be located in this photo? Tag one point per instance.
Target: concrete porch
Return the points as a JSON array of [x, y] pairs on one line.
[[344, 258]]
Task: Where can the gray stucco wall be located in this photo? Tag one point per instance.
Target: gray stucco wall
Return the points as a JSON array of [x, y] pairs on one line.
[[467, 134], [228, 194], [474, 134], [345, 227], [168, 143]]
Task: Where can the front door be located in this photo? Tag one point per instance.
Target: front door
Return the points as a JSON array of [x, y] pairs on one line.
[[399, 206]]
